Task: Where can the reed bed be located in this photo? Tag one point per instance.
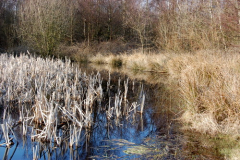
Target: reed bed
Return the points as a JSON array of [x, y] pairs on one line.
[[57, 98]]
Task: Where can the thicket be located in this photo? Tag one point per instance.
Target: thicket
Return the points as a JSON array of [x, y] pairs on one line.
[[164, 24]]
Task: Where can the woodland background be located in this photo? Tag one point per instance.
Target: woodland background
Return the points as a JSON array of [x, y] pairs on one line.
[[176, 25]]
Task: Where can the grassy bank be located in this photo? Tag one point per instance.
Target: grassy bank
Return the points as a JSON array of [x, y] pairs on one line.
[[207, 84], [137, 61]]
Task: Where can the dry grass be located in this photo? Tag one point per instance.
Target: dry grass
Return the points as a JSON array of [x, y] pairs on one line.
[[209, 84], [206, 86], [104, 59], [135, 61], [78, 52]]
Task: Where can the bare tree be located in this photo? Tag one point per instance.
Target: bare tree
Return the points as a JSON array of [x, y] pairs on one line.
[[43, 24], [8, 18], [191, 25], [136, 16], [170, 24]]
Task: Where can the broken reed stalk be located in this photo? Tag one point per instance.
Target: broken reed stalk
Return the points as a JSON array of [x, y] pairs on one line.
[[133, 108]]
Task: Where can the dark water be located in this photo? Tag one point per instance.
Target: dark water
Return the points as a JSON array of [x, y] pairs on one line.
[[151, 135]]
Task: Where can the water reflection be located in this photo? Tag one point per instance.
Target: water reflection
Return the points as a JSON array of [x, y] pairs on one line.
[[183, 144], [151, 134]]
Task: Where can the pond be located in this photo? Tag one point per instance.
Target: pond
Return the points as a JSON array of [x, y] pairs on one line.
[[54, 110]]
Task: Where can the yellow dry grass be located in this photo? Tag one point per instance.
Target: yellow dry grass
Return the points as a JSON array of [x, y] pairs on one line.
[[135, 61], [208, 83], [205, 85]]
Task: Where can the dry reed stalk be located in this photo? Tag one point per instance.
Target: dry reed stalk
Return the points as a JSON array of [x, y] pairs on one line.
[[75, 135], [125, 90], [118, 104]]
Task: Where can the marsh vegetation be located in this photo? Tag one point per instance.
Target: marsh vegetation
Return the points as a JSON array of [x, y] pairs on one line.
[[52, 106], [56, 105], [204, 85], [190, 47], [118, 26]]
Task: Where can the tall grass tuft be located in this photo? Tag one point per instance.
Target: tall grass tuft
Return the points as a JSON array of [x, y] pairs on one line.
[[209, 84]]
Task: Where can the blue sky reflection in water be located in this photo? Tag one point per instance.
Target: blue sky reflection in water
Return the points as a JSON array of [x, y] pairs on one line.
[[130, 136]]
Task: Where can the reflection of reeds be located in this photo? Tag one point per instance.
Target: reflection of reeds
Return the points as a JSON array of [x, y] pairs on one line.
[[5, 156], [142, 103], [109, 112], [24, 126], [75, 135], [136, 61], [5, 134], [54, 97], [142, 99], [35, 152], [4, 114]]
